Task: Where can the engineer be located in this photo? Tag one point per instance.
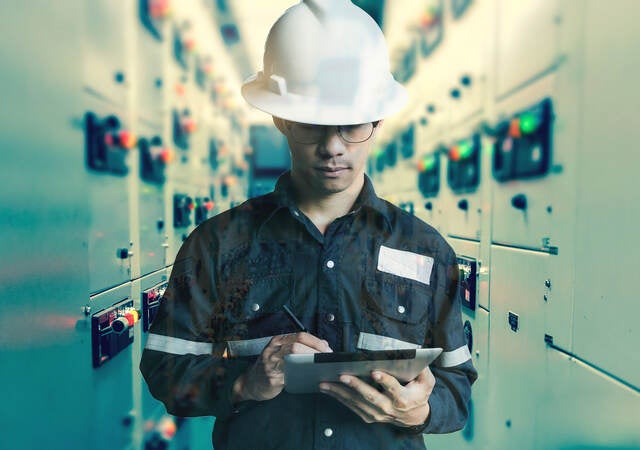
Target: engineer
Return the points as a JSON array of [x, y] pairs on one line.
[[358, 272]]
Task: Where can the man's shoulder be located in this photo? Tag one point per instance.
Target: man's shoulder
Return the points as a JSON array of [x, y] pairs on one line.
[[407, 226], [242, 218]]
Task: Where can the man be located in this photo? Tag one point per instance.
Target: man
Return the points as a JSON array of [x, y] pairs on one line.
[[359, 273]]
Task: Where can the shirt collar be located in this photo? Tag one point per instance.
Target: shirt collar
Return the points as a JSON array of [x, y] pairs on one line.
[[283, 197]]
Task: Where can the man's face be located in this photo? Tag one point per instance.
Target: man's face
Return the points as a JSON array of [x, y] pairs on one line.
[[330, 165]]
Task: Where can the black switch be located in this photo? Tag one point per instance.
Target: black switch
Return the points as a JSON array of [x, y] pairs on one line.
[[463, 205], [513, 321], [519, 202]]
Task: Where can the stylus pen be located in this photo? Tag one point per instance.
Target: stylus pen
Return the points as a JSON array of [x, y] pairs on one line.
[[293, 317]]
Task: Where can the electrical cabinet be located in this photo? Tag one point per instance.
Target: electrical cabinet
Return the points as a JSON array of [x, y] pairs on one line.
[[565, 415], [110, 246], [518, 351], [152, 83], [531, 195], [106, 70], [528, 42], [112, 396], [464, 158], [153, 226]]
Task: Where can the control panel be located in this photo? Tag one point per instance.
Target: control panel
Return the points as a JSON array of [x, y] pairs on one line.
[[153, 159], [407, 142], [150, 303], [463, 172], [523, 145], [202, 208], [468, 268], [429, 175], [107, 144], [112, 330], [182, 207]]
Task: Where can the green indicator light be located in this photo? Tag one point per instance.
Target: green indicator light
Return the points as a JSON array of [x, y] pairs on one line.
[[429, 162], [377, 152], [465, 149], [528, 123]]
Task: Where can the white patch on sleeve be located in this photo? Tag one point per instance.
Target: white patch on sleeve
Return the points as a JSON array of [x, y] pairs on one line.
[[177, 346], [454, 357], [405, 264], [250, 347], [368, 341]]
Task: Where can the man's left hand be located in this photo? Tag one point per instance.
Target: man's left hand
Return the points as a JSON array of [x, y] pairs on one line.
[[400, 405]]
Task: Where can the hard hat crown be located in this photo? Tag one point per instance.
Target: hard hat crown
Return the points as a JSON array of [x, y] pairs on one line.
[[325, 62]]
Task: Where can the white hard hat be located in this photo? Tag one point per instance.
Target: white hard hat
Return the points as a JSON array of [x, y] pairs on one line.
[[326, 62]]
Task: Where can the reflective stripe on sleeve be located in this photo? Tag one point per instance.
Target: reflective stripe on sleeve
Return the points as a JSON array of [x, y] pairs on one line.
[[177, 346], [454, 357]]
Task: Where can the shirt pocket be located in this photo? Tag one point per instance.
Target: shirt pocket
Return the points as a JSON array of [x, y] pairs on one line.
[[252, 304], [395, 307]]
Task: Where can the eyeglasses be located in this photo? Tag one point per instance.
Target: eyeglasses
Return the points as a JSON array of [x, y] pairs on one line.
[[304, 133]]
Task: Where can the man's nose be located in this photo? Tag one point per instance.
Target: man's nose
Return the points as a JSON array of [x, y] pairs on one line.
[[332, 144]]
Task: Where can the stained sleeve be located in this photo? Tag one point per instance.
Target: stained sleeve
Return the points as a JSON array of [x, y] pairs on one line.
[[183, 363]]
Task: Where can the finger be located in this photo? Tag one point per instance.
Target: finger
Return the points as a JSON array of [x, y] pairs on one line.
[[389, 383], [307, 339], [354, 401], [369, 393], [424, 379]]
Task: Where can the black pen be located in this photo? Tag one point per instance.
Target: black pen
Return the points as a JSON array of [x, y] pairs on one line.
[[295, 319]]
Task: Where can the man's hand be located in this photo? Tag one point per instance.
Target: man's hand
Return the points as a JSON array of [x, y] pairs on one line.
[[265, 379], [397, 404]]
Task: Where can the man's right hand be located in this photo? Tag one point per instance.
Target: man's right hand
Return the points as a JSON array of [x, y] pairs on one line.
[[265, 379]]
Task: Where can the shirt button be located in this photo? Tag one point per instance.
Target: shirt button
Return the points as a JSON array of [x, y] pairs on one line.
[[330, 264], [401, 309], [328, 432], [331, 317], [255, 307]]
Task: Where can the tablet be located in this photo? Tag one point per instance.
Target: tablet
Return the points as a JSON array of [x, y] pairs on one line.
[[303, 373]]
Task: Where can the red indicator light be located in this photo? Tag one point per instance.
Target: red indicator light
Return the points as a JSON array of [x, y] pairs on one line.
[[191, 206], [188, 125], [166, 155], [159, 9], [127, 139], [180, 89], [454, 153], [209, 205], [514, 128]]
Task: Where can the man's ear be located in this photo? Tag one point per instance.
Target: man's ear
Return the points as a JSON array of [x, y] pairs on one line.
[[280, 124]]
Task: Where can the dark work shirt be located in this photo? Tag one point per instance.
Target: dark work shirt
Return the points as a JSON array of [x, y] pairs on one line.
[[377, 278]]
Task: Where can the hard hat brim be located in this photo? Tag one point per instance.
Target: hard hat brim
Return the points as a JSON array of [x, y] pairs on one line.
[[298, 108]]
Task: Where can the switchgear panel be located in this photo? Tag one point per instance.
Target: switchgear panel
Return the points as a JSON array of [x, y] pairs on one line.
[[391, 154], [112, 331], [202, 208], [468, 268], [182, 207], [152, 15], [183, 126], [150, 303], [407, 140], [463, 172], [153, 159], [431, 27], [107, 144], [523, 145], [429, 175]]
